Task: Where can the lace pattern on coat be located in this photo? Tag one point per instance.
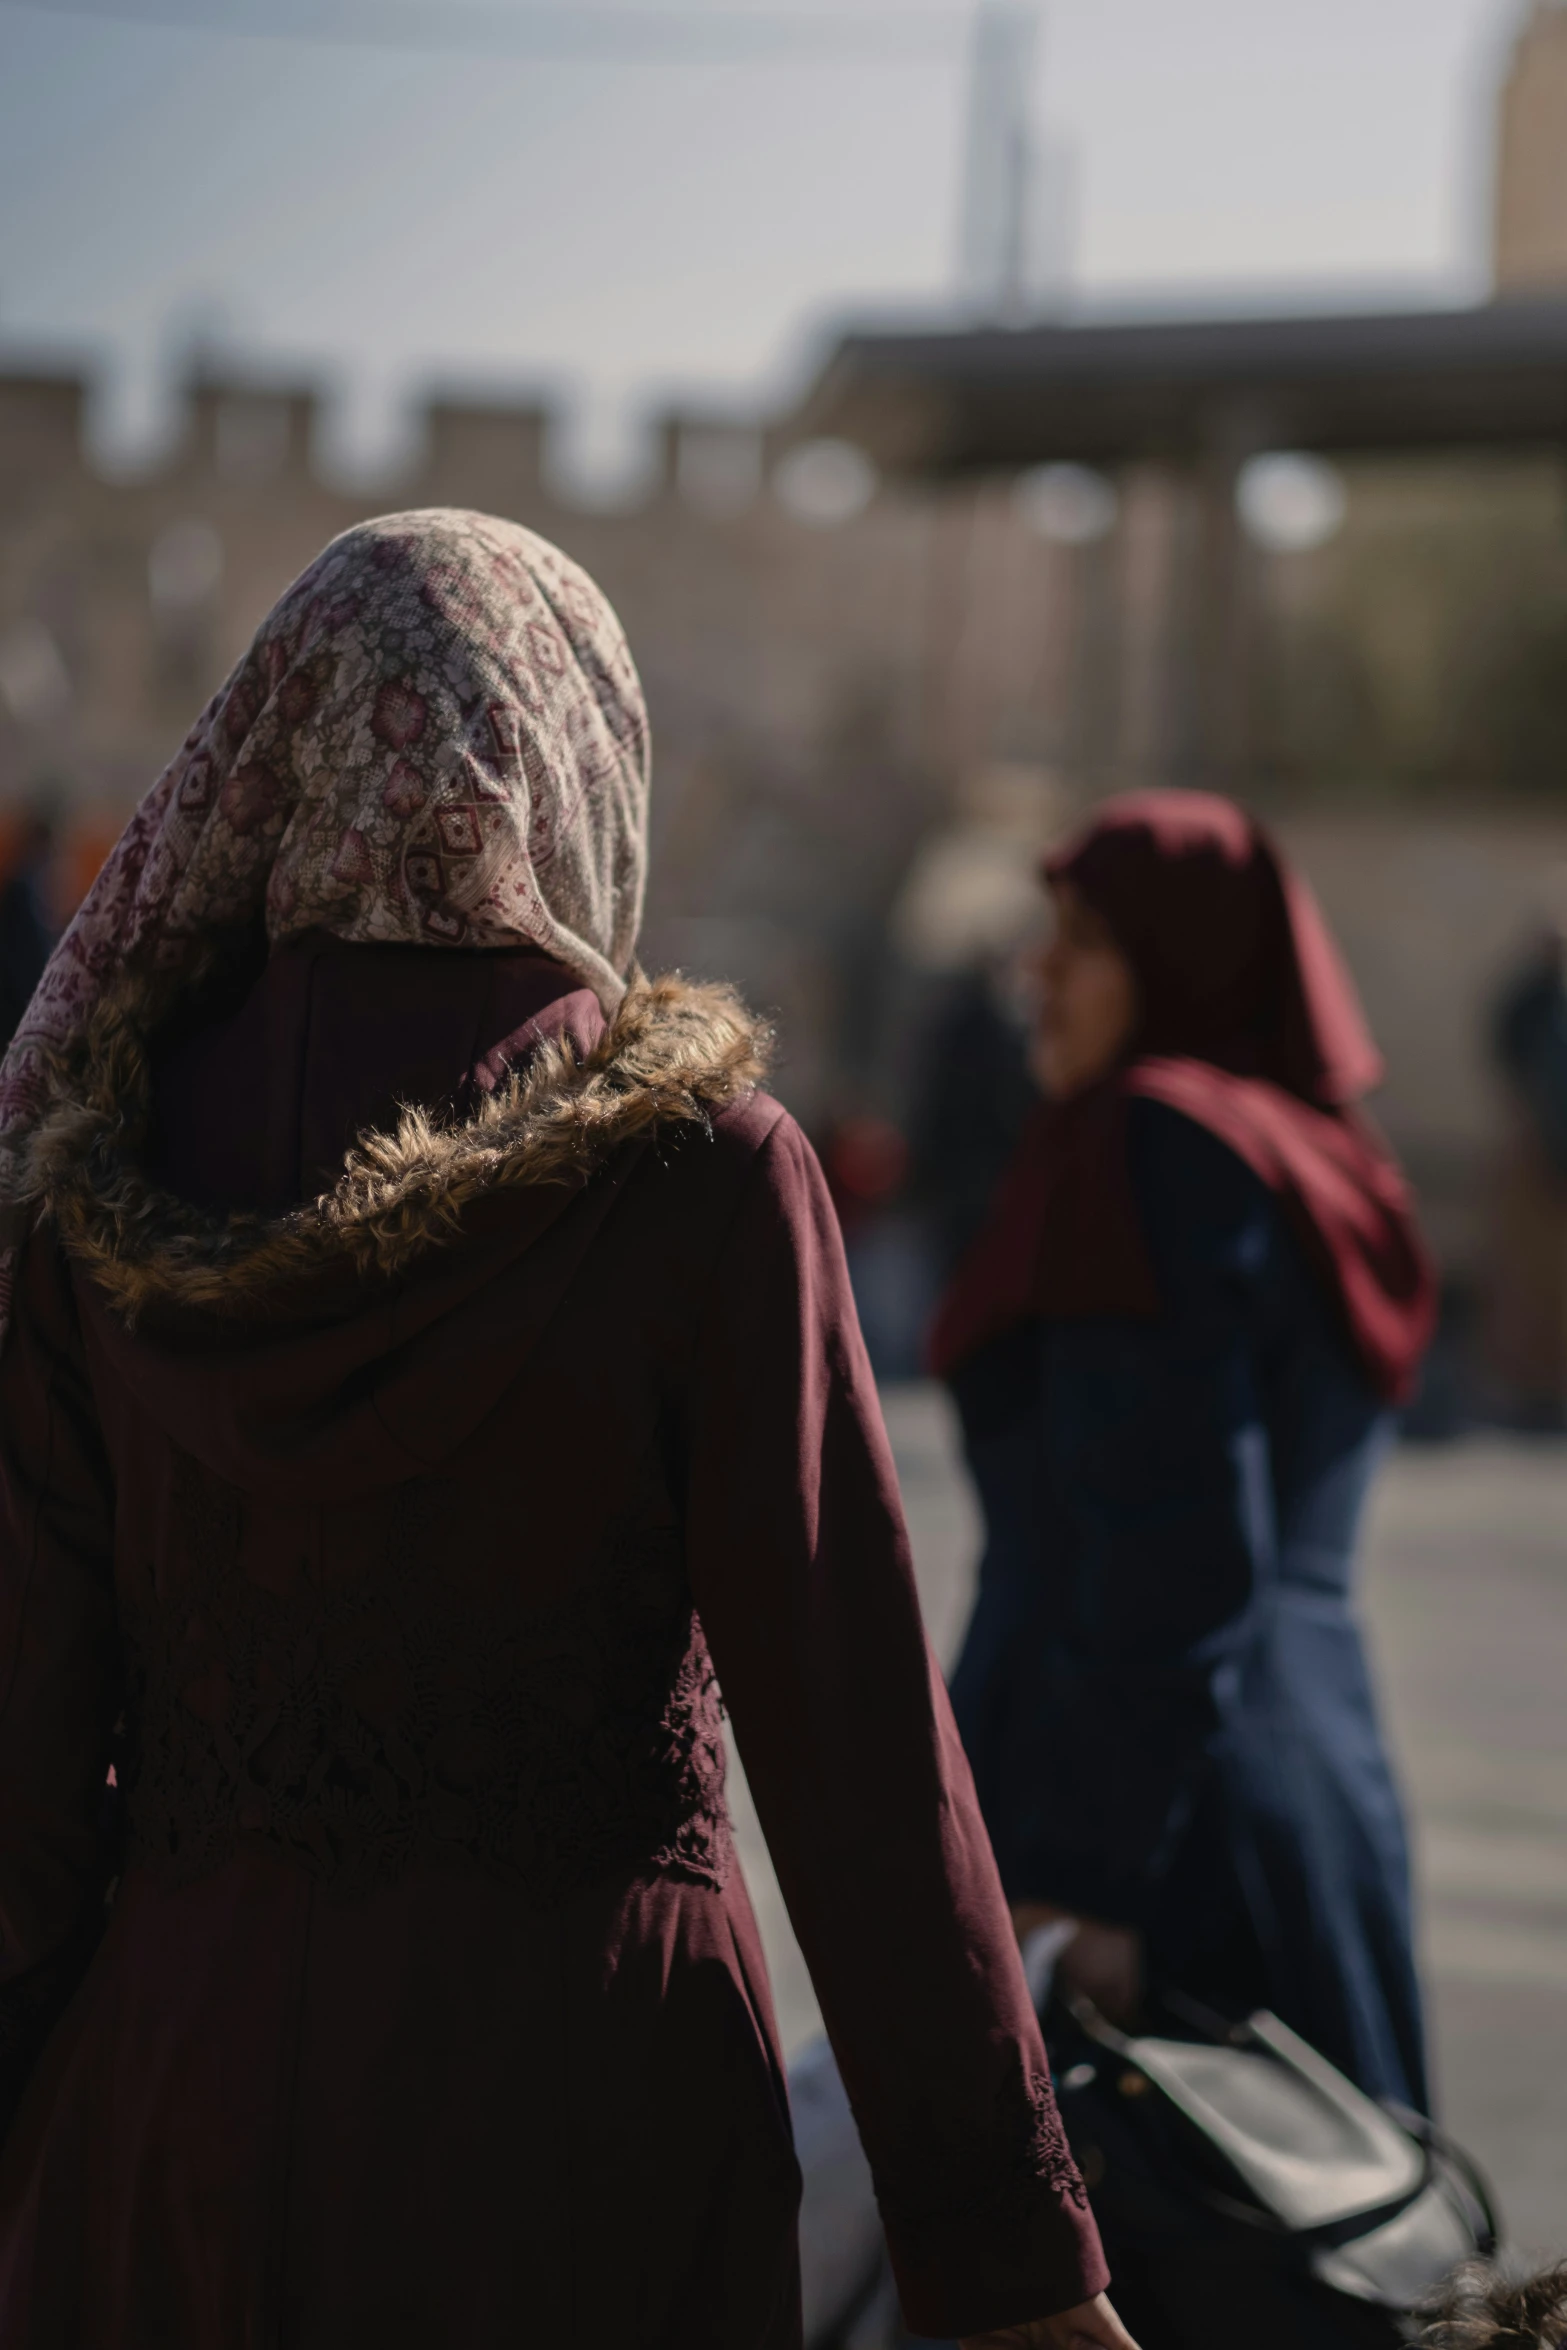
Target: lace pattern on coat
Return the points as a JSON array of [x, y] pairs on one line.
[[369, 1726], [1017, 2163]]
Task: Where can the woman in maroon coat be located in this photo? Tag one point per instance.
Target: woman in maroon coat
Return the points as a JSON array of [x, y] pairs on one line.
[[430, 1373]]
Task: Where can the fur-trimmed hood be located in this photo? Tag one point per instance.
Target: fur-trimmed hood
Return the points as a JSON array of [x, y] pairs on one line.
[[360, 1338], [674, 1056]]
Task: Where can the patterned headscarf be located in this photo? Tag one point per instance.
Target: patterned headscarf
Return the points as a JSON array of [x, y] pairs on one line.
[[437, 736]]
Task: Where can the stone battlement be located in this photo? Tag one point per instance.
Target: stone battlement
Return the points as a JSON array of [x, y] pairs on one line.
[[240, 431]]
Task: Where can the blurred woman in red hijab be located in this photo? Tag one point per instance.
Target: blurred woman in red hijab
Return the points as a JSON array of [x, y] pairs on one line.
[[1176, 1348]]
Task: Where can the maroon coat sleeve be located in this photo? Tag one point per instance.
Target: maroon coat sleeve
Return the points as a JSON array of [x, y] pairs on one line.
[[59, 1643], [800, 1569]]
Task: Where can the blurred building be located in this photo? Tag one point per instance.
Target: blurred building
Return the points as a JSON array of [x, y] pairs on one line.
[[978, 579], [1336, 585], [822, 659], [1530, 224]]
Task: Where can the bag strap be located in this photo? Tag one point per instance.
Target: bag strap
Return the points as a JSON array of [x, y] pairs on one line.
[[1445, 2149]]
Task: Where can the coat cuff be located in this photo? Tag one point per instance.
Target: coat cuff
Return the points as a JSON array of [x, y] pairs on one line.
[[993, 2228], [978, 2273]]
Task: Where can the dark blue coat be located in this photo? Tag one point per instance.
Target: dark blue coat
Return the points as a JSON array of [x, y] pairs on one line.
[[1164, 1692]]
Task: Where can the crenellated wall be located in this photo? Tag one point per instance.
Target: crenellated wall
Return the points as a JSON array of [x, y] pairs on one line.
[[824, 699], [817, 692]]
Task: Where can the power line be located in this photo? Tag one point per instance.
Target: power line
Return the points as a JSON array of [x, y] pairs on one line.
[[653, 36]]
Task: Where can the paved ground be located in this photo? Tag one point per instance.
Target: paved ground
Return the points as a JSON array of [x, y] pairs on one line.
[[1466, 1595]]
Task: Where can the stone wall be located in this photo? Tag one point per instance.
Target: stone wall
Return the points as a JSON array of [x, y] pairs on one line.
[[827, 703], [815, 691]]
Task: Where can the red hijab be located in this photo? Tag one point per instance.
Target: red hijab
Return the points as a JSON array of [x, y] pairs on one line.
[[1250, 1026]]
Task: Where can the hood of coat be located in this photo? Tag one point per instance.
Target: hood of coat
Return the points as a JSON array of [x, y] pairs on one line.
[[315, 1350]]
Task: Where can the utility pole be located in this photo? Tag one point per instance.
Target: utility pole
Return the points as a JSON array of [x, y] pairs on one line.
[[1002, 165]]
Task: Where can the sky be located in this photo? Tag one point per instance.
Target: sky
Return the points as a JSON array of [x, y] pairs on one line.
[[688, 208]]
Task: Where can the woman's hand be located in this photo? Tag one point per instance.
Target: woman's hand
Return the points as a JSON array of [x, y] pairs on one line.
[[1093, 2325], [1102, 1963]]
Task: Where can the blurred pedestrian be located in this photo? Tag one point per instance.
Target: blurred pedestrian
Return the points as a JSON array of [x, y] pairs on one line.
[[1526, 1301], [972, 1099], [1175, 1349], [865, 1159], [27, 927], [435, 1362]]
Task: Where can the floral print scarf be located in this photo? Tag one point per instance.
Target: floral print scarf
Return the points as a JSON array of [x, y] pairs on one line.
[[436, 736]]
